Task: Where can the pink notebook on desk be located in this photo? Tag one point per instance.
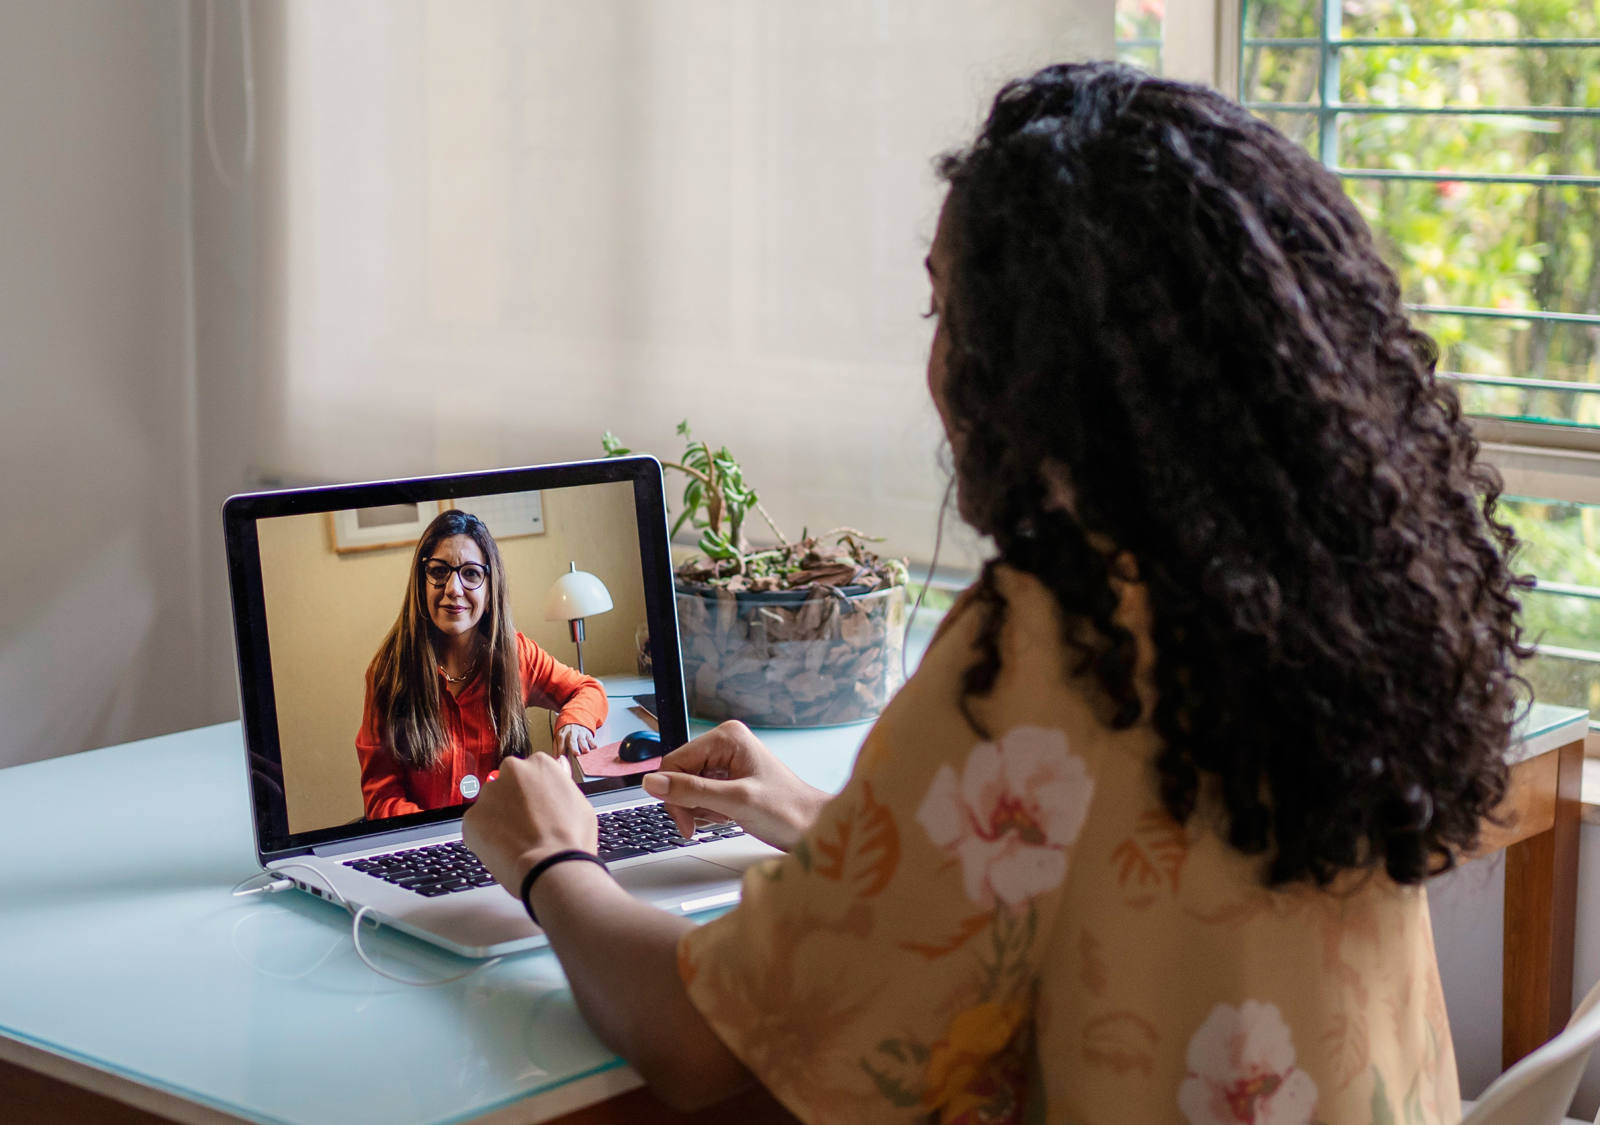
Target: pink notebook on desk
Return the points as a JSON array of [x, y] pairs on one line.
[[602, 761]]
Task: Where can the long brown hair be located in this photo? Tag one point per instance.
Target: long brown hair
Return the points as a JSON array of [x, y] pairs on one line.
[[405, 677]]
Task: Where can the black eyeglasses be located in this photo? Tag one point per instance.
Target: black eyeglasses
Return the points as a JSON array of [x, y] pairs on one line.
[[439, 572]]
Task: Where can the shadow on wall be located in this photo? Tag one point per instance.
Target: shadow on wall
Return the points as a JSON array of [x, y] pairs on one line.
[[328, 611]]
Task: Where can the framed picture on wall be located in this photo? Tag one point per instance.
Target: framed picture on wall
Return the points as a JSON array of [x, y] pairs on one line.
[[371, 529]]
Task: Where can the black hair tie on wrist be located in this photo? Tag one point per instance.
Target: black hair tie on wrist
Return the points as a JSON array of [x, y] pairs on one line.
[[546, 864]]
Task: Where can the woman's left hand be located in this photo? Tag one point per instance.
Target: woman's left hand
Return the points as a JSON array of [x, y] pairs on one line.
[[531, 810], [571, 738]]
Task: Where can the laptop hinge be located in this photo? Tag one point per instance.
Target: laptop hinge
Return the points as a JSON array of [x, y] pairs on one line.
[[388, 839]]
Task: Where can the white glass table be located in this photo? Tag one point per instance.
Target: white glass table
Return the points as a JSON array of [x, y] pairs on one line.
[[132, 974]]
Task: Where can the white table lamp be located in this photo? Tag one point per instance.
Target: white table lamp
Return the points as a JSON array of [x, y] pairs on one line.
[[576, 595]]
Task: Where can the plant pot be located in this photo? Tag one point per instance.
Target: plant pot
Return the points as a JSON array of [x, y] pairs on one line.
[[791, 658]]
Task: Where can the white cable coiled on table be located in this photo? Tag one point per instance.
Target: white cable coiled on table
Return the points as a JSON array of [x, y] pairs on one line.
[[355, 926]]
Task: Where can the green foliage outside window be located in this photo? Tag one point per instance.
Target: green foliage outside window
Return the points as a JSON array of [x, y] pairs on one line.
[[1454, 242], [1561, 544], [1139, 31], [1494, 246]]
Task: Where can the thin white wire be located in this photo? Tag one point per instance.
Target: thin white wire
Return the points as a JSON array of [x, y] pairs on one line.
[[355, 935], [938, 541], [317, 964], [247, 67]]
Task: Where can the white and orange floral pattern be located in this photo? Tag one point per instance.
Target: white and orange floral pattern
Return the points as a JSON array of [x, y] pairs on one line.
[[1006, 928], [1012, 816], [1242, 1071]]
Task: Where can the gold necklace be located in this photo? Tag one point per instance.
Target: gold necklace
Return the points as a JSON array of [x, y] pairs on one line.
[[461, 679]]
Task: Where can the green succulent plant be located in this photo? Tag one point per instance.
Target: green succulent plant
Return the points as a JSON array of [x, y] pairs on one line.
[[718, 500]]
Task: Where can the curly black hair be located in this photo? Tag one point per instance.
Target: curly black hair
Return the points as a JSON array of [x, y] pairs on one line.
[[1180, 310]]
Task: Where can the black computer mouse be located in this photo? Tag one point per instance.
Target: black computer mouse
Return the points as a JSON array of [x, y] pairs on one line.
[[640, 746]]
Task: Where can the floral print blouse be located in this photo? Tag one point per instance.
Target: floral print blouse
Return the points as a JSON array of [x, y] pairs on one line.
[[1012, 929]]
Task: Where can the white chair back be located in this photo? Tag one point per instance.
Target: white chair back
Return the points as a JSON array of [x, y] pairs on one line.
[[1538, 1089]]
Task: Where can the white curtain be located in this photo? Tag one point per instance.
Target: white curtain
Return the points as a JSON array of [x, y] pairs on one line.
[[491, 230]]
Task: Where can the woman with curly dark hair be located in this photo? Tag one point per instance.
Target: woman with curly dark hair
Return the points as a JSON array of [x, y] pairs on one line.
[[1144, 837]]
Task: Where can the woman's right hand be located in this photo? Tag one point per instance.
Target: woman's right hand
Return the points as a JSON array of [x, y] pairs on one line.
[[727, 774]]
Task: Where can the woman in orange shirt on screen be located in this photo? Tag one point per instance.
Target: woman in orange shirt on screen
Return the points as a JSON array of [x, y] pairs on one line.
[[448, 689]]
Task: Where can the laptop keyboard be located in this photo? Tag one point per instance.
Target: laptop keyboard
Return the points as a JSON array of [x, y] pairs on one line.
[[649, 828], [439, 869], [431, 871]]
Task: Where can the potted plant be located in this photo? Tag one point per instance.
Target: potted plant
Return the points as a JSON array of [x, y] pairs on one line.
[[805, 632]]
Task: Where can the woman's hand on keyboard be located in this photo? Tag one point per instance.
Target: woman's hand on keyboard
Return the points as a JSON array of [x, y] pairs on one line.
[[531, 810], [727, 774]]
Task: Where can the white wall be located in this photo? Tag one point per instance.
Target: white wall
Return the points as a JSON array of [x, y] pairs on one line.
[[231, 398], [1468, 907], [514, 224], [701, 184], [101, 621]]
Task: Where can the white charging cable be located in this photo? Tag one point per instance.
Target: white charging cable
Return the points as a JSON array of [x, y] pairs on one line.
[[282, 883]]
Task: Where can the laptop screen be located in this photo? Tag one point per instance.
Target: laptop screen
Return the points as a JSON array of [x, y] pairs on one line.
[[396, 640]]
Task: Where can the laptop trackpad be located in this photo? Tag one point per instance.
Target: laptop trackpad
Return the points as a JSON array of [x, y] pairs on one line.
[[680, 878]]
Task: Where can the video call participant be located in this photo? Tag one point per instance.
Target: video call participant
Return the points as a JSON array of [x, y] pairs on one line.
[[449, 686]]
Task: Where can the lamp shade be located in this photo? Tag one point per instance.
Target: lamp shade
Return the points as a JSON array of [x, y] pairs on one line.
[[576, 594]]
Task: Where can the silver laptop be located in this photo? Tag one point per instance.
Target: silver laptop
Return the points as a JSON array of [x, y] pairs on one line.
[[319, 578]]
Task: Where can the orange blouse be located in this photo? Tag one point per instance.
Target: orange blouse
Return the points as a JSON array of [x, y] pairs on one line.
[[389, 787]]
